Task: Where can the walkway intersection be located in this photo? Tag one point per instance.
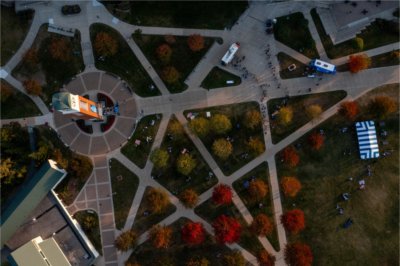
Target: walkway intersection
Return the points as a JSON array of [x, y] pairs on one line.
[[97, 194]]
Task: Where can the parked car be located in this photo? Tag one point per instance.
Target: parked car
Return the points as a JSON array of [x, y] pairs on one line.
[[269, 26], [70, 9]]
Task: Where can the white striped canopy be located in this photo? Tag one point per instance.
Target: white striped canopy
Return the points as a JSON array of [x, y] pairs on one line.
[[367, 140]]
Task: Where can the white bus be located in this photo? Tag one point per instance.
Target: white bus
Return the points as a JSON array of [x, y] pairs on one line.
[[230, 54], [322, 66]]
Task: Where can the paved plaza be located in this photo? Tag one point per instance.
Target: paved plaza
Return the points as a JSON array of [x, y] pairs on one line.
[[102, 147]]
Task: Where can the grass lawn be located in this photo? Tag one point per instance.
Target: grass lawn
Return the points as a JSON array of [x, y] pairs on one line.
[[93, 233], [182, 58], [218, 77], [373, 239], [299, 104], [378, 33], [292, 30], [140, 154], [143, 223], [285, 61], [380, 60], [194, 14], [52, 73], [124, 184], [13, 29], [174, 181], [260, 172], [179, 252], [25, 108], [209, 212], [124, 63], [239, 133]]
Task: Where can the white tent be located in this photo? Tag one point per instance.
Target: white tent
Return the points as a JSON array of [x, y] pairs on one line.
[[367, 140]]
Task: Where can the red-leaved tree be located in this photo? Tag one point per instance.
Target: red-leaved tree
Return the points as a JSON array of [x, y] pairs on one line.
[[290, 156], [195, 42], [349, 109], [226, 229], [359, 62], [290, 186], [298, 254], [164, 52], [222, 194], [293, 221], [316, 140], [262, 225], [265, 259], [193, 233]]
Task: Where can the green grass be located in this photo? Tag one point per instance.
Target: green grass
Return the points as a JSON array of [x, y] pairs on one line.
[[140, 154], [13, 31], [25, 108], [235, 113], [175, 182], [378, 33], [124, 63], [292, 30], [217, 79], [373, 239], [194, 14], [285, 61], [298, 105], [143, 223], [179, 252], [183, 59], [124, 185], [209, 212], [94, 233], [260, 172], [380, 60]]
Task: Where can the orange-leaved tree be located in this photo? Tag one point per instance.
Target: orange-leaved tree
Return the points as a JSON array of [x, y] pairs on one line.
[[157, 199], [382, 106], [170, 75], [189, 198], [32, 87], [193, 233], [262, 225], [265, 259], [60, 49], [290, 186], [126, 240], [226, 229], [222, 194], [258, 189], [316, 140], [195, 42], [349, 109], [252, 119], [160, 236], [293, 221], [105, 45], [31, 57], [290, 156], [164, 53], [298, 254], [359, 62]]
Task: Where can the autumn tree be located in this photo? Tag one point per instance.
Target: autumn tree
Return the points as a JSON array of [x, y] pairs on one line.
[[234, 258], [261, 225], [159, 158], [252, 119], [313, 111], [226, 229], [160, 236], [59, 158], [358, 43], [290, 186], [293, 221], [195, 42], [200, 126], [197, 262], [258, 189], [298, 254], [41, 154], [185, 163], [80, 166], [382, 106], [359, 62], [60, 49], [89, 222], [285, 115], [6, 92], [222, 148], [158, 200], [164, 53], [256, 146], [175, 128], [31, 58], [290, 156], [189, 198], [170, 75], [9, 171], [265, 259], [32, 87], [222, 194], [126, 240], [349, 109], [220, 124], [193, 233], [105, 45], [128, 263], [316, 140]]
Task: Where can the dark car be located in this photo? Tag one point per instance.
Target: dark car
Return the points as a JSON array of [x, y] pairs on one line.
[[70, 9], [269, 26]]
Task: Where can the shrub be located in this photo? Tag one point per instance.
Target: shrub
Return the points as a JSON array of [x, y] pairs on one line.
[[193, 233], [222, 194], [293, 221], [195, 42], [220, 124], [222, 148], [349, 109], [189, 198], [382, 106], [358, 43], [226, 229], [185, 163], [359, 62], [105, 45], [290, 186], [262, 225], [298, 254], [32, 87]]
